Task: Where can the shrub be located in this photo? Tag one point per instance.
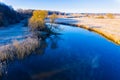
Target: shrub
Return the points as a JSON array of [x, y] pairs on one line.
[[53, 17], [37, 21], [111, 16], [38, 26]]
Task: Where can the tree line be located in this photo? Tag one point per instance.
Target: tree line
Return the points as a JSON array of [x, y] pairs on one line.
[[8, 15]]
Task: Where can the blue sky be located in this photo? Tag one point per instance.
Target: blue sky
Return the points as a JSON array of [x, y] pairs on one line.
[[77, 6]]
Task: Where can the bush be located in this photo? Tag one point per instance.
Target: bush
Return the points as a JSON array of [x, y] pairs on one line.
[[111, 16], [38, 26], [37, 21], [53, 17]]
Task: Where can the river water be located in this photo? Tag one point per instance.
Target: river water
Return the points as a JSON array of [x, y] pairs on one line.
[[76, 54]]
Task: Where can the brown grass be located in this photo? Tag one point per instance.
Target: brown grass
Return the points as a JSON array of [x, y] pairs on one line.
[[18, 49], [100, 17]]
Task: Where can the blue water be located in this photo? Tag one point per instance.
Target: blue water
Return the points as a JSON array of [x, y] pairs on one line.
[[13, 32], [77, 54]]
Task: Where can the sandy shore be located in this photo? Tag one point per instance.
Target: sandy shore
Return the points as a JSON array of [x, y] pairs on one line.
[[109, 28]]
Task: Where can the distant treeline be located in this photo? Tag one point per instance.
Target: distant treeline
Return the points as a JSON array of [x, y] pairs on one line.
[[28, 12], [10, 16], [56, 12]]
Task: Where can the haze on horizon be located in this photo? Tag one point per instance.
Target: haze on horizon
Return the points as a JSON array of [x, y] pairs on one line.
[[74, 6]]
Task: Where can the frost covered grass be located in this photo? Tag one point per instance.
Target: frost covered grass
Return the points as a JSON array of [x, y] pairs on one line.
[[18, 49]]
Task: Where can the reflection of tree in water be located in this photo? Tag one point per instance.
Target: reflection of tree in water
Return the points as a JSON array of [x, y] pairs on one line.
[[52, 38], [54, 41], [41, 48]]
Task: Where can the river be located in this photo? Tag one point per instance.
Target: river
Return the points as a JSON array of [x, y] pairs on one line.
[[76, 54]]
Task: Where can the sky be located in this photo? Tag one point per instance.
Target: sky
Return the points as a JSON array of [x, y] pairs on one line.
[[74, 6]]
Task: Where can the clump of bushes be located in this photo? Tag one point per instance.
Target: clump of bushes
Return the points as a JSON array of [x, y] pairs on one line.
[[37, 21], [110, 15], [38, 25], [53, 17]]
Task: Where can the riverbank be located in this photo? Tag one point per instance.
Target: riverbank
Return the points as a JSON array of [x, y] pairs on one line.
[[109, 28]]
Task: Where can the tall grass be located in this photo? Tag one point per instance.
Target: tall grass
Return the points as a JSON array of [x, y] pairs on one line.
[[18, 49], [100, 17]]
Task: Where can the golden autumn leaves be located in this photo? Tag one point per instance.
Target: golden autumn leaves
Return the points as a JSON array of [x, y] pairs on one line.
[[37, 21]]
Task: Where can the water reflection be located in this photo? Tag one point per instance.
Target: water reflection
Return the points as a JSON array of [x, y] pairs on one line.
[[54, 41], [48, 41]]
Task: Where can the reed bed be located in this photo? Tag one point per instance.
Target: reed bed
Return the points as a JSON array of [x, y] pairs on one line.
[[18, 49]]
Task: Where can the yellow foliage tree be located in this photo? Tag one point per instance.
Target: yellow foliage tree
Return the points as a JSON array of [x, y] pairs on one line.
[[37, 21], [53, 17]]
